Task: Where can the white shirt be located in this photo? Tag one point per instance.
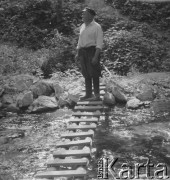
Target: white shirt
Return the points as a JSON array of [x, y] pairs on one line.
[[91, 35]]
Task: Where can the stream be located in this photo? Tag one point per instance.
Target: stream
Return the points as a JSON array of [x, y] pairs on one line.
[[132, 136]]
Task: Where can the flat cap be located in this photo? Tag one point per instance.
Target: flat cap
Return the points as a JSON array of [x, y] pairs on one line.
[[91, 11]]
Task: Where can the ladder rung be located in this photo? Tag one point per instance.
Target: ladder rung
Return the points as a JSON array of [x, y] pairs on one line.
[[90, 108], [90, 103], [87, 114], [82, 127], [64, 173], [68, 162], [78, 120], [77, 153], [78, 134], [85, 142]]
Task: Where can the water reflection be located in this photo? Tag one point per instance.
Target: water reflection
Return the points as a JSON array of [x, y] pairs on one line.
[[135, 142]]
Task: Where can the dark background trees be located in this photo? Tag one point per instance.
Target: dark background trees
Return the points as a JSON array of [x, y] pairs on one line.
[[138, 37]]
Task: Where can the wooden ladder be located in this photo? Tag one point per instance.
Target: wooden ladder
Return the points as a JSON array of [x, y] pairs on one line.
[[72, 156]]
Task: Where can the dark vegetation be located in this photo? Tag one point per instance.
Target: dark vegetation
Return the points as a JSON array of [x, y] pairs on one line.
[[137, 39]]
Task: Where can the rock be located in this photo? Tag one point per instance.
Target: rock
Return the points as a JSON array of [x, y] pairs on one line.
[[12, 108], [9, 89], [6, 177], [119, 96], [25, 100], [58, 90], [146, 94], [109, 99], [3, 140], [133, 103], [21, 85], [42, 88], [73, 99], [7, 99], [161, 107], [23, 81], [63, 100], [67, 99], [43, 103], [18, 83], [16, 135]]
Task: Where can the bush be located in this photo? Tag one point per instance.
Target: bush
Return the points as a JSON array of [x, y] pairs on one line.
[[61, 54], [153, 13], [28, 23], [19, 60], [133, 45]]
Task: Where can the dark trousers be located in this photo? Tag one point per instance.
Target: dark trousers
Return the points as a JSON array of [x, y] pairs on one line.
[[88, 84], [90, 72]]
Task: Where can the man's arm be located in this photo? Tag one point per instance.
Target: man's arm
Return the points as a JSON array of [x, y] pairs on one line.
[[99, 44]]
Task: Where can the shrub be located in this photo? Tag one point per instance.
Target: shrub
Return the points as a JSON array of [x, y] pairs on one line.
[[153, 13], [61, 54], [28, 23], [19, 60], [133, 45]]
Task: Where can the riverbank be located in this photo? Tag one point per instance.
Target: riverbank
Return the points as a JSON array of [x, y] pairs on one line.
[[28, 140]]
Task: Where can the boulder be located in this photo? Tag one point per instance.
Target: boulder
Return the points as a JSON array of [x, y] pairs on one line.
[[4, 140], [25, 100], [109, 99], [23, 81], [43, 103], [58, 90], [146, 96], [12, 108], [133, 103], [63, 100], [42, 88], [7, 99], [146, 93], [10, 89], [6, 177], [73, 98], [119, 96]]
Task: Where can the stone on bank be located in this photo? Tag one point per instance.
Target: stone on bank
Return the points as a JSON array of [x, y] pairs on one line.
[[43, 103], [25, 100]]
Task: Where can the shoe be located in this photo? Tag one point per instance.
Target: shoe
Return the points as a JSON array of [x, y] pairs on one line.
[[94, 98], [84, 98]]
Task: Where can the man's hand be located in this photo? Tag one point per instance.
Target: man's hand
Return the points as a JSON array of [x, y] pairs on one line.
[[94, 60], [76, 58], [96, 56]]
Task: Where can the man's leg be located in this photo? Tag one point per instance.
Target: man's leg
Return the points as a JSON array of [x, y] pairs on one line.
[[96, 90], [88, 86], [96, 87]]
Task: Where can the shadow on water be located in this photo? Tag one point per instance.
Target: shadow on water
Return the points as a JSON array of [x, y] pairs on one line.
[[135, 143]]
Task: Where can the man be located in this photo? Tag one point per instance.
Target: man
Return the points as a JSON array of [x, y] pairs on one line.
[[89, 47]]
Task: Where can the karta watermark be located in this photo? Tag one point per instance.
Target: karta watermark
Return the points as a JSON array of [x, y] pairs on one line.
[[128, 171]]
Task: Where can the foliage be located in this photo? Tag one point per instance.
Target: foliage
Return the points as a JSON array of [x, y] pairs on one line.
[[156, 14], [130, 45], [47, 26], [28, 23], [19, 60], [106, 21], [61, 54]]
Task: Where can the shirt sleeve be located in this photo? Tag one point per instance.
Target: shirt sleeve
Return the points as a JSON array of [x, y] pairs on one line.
[[99, 41], [78, 44]]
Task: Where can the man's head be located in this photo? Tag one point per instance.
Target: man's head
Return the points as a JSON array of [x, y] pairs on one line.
[[88, 15]]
